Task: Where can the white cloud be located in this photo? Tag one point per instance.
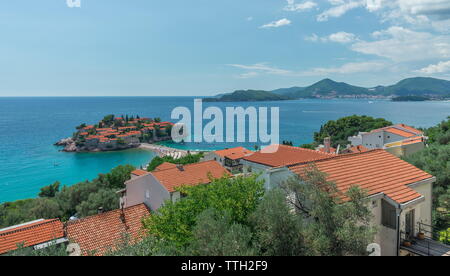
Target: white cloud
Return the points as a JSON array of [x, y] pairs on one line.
[[441, 67], [402, 45], [340, 8], [342, 37], [348, 68], [312, 38], [339, 37], [262, 67], [276, 24], [305, 6]]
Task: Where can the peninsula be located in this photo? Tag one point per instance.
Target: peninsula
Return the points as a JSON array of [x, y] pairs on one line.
[[117, 133]]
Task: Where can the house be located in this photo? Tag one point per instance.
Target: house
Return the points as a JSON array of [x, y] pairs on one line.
[[271, 160], [326, 147], [156, 187], [96, 235], [389, 137], [165, 166], [38, 233], [229, 158], [137, 173], [400, 194], [355, 149]]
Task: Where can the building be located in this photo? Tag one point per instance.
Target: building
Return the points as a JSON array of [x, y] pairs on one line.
[[229, 158], [391, 137], [271, 161], [400, 194], [98, 234], [154, 188], [37, 234]]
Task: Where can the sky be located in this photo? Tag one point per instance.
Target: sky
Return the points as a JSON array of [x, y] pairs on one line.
[[207, 47]]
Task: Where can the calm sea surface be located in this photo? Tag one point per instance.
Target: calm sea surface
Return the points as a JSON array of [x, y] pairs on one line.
[[30, 126]]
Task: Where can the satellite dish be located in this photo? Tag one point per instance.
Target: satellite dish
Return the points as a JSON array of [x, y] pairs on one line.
[[73, 249], [374, 249]]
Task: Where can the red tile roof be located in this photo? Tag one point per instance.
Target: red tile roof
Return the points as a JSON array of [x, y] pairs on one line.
[[97, 234], [165, 166], [234, 153], [332, 150], [30, 234], [139, 172], [191, 175], [285, 155], [400, 132], [356, 149], [375, 171]]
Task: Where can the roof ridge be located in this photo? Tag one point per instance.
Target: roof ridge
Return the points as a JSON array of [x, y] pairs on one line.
[[105, 213], [340, 156], [34, 225]]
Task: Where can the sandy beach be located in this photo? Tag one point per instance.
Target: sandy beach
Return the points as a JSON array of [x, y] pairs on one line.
[[162, 151]]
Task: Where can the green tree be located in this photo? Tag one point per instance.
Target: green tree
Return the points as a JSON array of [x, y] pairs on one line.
[[345, 127], [336, 227], [45, 208], [117, 177], [215, 234], [238, 197], [50, 190], [105, 198], [278, 230]]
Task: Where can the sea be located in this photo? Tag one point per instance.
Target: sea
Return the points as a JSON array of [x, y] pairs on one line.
[[30, 126]]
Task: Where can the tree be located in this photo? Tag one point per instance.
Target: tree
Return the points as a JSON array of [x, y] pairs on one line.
[[215, 234], [105, 198], [238, 197], [45, 208], [338, 224], [278, 230], [345, 127], [117, 177], [50, 190]]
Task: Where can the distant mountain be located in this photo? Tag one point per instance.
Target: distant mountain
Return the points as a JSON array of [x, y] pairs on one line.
[[417, 87], [327, 88], [248, 96]]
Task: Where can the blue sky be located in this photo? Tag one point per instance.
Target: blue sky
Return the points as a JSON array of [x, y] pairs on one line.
[[205, 47]]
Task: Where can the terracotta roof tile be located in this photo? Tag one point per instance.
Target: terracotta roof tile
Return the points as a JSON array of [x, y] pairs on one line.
[[375, 171], [139, 172], [191, 175], [165, 166], [285, 155], [400, 132], [30, 234], [99, 233], [234, 153]]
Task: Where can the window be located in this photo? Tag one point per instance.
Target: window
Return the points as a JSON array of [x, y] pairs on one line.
[[388, 215], [147, 194]]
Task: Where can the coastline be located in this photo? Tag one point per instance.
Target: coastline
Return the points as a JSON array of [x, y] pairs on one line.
[[162, 151]]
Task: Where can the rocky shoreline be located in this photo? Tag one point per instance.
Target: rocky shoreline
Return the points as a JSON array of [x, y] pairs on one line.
[[70, 146]]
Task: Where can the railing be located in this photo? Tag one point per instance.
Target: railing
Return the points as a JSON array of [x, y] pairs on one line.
[[428, 242]]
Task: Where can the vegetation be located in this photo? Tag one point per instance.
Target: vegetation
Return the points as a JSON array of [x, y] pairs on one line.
[[407, 87], [234, 216], [188, 159], [341, 129], [249, 96], [410, 99], [82, 199], [435, 159]]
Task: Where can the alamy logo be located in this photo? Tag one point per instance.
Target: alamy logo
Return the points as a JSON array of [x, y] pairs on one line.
[[234, 120], [73, 3]]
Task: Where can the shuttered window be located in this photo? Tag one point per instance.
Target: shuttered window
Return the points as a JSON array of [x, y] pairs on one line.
[[388, 215]]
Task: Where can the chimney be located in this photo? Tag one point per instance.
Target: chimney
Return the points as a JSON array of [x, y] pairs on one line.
[[100, 210], [181, 168], [327, 144]]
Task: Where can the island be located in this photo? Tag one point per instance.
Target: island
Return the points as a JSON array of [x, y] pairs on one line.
[[117, 133], [248, 96]]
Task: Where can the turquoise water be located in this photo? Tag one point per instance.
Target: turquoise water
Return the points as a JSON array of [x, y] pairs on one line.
[[29, 127]]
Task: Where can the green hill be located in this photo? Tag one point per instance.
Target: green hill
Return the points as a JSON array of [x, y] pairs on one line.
[[417, 87], [422, 87], [248, 96]]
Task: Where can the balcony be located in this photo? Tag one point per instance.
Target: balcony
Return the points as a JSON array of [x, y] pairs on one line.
[[426, 245]]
